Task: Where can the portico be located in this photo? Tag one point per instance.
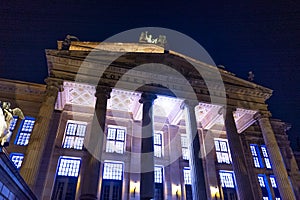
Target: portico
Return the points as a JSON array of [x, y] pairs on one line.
[[155, 127]]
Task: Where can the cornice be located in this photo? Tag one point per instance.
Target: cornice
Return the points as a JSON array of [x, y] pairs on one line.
[[20, 87]]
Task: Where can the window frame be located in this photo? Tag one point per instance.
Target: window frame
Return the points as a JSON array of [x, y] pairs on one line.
[[11, 155], [76, 173], [106, 175], [18, 140], [219, 152], [158, 148], [73, 138], [185, 152], [256, 157], [110, 144]]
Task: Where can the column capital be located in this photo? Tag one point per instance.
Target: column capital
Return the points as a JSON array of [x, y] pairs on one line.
[[54, 83], [226, 109], [147, 97], [262, 114], [103, 91], [189, 103]]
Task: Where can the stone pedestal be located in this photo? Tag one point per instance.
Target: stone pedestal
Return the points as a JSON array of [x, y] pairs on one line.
[[39, 135], [277, 162], [196, 164], [147, 148], [94, 146], [238, 162]]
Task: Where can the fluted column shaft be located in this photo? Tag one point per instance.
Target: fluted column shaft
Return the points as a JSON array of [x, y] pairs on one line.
[[278, 166], [94, 146], [238, 161], [147, 147], [39, 135], [196, 163]]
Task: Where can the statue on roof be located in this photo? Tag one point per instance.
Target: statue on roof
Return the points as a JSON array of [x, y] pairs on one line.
[[67, 42], [6, 117], [250, 76], [161, 40]]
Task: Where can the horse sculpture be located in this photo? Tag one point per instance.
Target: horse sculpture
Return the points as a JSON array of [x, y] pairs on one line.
[[6, 117]]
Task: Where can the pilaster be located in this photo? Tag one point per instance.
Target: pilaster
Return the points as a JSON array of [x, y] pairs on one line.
[[39, 135]]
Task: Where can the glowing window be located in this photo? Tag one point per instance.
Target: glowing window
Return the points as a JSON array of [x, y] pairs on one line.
[[115, 139], [68, 166], [13, 123], [275, 188], [227, 179], [187, 176], [256, 156], [112, 171], [222, 151], [25, 131], [185, 147], [17, 159], [264, 187], [157, 145], [266, 156], [74, 135], [158, 174]]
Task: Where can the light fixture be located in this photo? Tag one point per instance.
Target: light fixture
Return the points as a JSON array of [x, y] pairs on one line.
[[134, 188]]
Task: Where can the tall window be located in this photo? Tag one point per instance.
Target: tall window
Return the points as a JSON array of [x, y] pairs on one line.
[[260, 156], [158, 180], [228, 184], [115, 139], [113, 171], [74, 134], [112, 180], [275, 188], [188, 183], [227, 179], [222, 151], [187, 176], [17, 159], [256, 156], [185, 147], [264, 187], [158, 144], [25, 131], [266, 156], [66, 178], [13, 123], [158, 174]]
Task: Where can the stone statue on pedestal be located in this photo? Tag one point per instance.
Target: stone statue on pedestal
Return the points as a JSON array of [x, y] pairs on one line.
[[6, 117]]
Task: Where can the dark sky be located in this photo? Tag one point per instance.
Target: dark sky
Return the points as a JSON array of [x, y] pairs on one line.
[[261, 36]]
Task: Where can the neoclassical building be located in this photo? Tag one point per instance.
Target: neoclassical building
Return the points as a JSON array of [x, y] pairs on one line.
[[135, 121]]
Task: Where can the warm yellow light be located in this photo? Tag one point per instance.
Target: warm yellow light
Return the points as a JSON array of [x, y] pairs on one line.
[[176, 190], [134, 187], [214, 191]]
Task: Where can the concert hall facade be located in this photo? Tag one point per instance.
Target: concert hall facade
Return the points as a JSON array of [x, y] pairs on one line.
[[137, 121]]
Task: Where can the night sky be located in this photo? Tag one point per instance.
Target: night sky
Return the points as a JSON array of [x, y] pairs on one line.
[[263, 37]]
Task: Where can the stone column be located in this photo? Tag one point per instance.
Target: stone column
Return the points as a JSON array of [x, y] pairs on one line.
[[277, 162], [94, 146], [147, 148], [196, 163], [238, 162], [39, 135]]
